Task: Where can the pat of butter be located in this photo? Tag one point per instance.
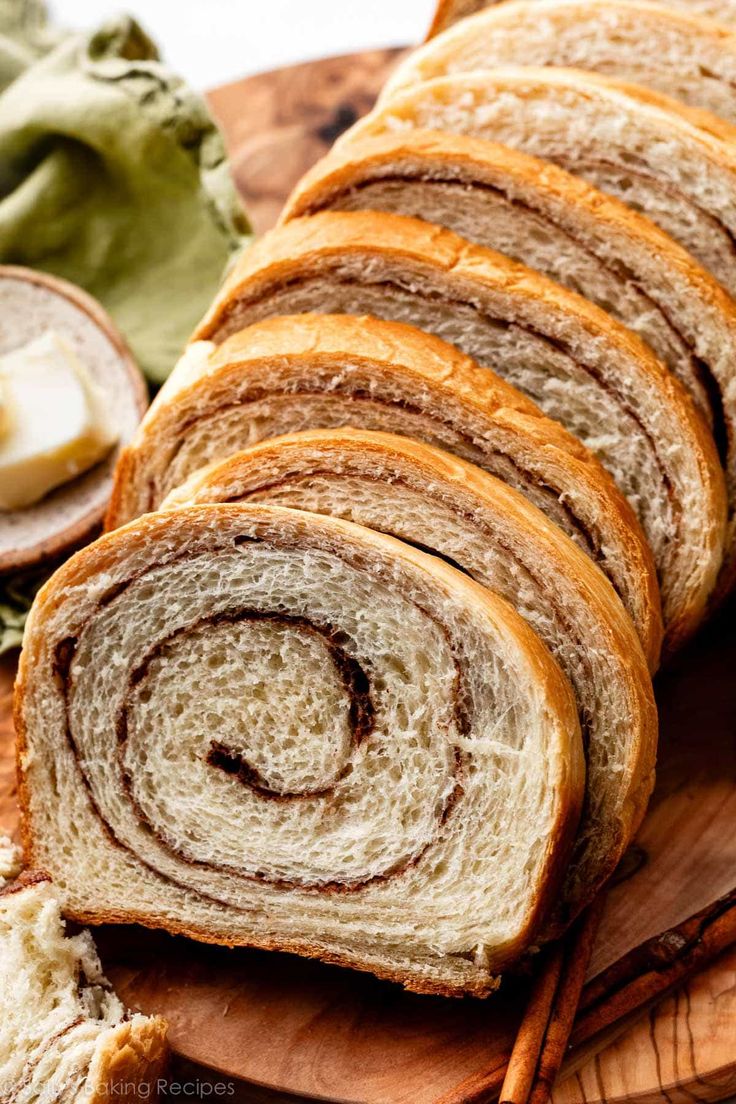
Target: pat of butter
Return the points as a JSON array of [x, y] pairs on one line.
[[58, 426]]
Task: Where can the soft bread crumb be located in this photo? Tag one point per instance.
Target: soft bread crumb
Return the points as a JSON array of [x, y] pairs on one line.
[[62, 1029]]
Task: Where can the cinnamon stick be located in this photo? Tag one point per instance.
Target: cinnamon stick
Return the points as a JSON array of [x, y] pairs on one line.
[[579, 947], [542, 1039], [652, 969], [529, 1039]]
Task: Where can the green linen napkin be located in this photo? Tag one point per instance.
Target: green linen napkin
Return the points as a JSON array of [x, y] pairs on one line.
[[24, 37], [16, 598], [113, 176]]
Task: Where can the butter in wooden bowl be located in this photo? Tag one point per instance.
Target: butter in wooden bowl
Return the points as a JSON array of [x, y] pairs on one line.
[[53, 420]]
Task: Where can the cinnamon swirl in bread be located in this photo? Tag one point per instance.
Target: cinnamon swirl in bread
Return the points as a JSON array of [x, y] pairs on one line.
[[577, 363], [422, 495], [313, 371], [264, 727]]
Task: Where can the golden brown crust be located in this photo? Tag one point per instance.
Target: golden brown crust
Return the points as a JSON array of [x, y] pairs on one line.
[[448, 12], [334, 534], [25, 879], [478, 159], [82, 528], [129, 1062], [223, 938], [325, 340]]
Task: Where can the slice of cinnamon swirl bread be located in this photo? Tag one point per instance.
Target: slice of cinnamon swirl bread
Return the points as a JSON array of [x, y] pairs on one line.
[[64, 1035], [667, 49], [313, 371], [578, 364], [284, 730], [422, 495]]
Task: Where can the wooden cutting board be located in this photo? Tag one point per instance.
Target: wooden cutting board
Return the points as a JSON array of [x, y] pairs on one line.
[[302, 1028]]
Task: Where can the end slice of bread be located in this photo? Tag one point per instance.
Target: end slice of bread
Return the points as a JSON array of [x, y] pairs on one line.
[[272, 728], [64, 1035], [31, 302]]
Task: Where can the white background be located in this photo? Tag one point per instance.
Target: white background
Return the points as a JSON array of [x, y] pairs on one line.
[[211, 42]]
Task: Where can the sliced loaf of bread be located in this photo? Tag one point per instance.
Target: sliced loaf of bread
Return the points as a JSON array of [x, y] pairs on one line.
[[577, 363], [315, 371], [554, 222], [474, 521], [260, 726]]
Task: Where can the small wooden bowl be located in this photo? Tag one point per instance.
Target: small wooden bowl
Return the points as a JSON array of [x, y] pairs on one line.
[[31, 302]]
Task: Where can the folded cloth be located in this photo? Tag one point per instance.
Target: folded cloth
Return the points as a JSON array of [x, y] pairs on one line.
[[25, 36], [114, 176], [16, 598]]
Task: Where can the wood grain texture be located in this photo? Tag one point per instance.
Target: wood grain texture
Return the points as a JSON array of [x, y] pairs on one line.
[[681, 1052], [316, 1030]]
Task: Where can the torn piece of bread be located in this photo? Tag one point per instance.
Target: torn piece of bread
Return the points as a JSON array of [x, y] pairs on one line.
[[31, 303], [577, 363], [667, 161], [315, 371], [474, 521], [672, 51], [64, 1035], [448, 12], [554, 222], [278, 729]]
